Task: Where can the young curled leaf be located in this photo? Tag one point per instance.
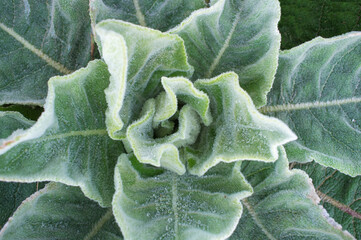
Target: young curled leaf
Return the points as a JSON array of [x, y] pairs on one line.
[[137, 58]]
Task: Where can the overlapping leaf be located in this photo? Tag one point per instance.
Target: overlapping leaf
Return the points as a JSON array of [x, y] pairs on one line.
[[317, 92], [37, 41], [239, 36], [165, 205], [156, 14], [143, 135], [69, 143], [340, 195], [137, 57], [238, 132], [61, 212], [284, 205]]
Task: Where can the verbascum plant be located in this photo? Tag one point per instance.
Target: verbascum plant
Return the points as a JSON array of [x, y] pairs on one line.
[[175, 132]]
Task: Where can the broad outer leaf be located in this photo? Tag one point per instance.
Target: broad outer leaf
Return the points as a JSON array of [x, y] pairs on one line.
[[317, 92], [164, 205], [235, 35], [284, 205], [137, 58], [303, 20], [340, 195], [69, 143], [61, 212], [157, 14], [238, 130], [40, 39]]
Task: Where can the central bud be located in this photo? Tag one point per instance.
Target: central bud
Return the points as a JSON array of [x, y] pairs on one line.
[[168, 123]]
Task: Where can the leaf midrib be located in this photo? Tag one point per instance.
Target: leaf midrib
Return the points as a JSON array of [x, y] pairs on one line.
[[256, 220], [308, 105], [225, 46], [74, 134], [51, 62], [97, 226]]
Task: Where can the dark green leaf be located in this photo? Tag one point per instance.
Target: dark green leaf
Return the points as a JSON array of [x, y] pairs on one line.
[[63, 213]]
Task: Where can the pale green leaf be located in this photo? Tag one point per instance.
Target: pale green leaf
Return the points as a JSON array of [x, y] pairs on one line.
[[340, 195], [284, 205], [40, 39], [239, 36], [317, 92], [69, 143], [238, 130], [163, 205], [157, 14], [137, 57], [63, 213]]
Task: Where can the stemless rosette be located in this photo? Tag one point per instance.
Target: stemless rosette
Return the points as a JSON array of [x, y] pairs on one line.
[[168, 121]]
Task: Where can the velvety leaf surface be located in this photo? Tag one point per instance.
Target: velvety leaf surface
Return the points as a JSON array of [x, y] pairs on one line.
[[137, 57], [238, 130], [40, 39], [63, 213], [151, 203], [239, 36], [340, 195], [303, 20], [69, 143], [284, 205], [156, 14], [317, 92]]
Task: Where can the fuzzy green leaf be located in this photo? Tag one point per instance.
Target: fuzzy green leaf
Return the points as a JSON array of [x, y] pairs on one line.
[[137, 57], [63, 213], [164, 205], [39, 40], [239, 36], [317, 92], [284, 205], [157, 14], [69, 143], [238, 130], [340, 195]]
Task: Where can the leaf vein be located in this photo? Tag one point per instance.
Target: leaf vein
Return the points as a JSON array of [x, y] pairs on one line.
[[308, 105], [58, 66]]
